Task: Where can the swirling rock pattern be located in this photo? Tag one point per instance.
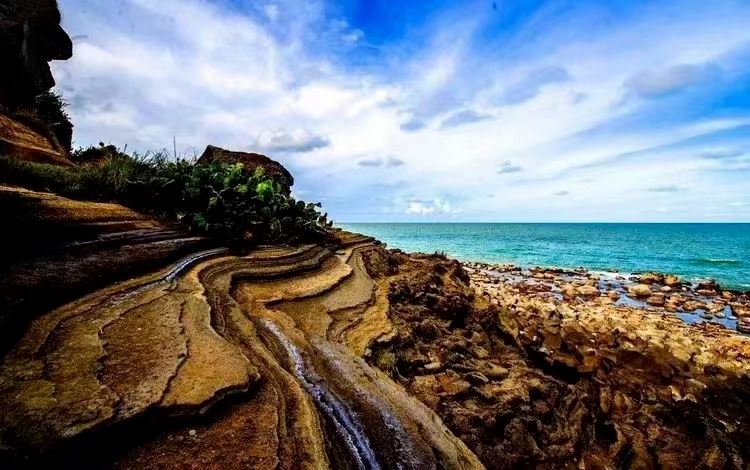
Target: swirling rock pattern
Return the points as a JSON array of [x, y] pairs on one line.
[[153, 349], [221, 361]]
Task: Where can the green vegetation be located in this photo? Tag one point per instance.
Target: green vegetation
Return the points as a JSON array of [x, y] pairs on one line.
[[217, 199], [47, 114], [50, 108]]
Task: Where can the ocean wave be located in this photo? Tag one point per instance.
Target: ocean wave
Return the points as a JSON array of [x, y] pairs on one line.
[[715, 261]]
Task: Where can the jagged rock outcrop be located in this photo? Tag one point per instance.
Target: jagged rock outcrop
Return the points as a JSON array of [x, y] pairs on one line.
[[529, 378], [30, 37], [251, 161]]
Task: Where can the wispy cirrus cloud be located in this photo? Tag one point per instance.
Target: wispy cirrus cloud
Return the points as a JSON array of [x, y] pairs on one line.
[[533, 83]]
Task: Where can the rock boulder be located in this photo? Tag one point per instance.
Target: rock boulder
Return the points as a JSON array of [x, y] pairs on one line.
[[251, 161], [640, 291]]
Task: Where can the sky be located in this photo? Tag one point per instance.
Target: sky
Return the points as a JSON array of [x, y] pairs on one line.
[[436, 111]]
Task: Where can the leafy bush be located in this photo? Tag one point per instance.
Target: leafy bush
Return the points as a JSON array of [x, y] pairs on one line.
[[50, 107], [218, 199]]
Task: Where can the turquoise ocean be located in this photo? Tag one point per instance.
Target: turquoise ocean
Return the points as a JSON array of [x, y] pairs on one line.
[[693, 251]]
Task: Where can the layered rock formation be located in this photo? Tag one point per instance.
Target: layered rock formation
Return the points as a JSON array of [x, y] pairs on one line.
[[220, 361], [23, 141], [30, 37], [343, 355], [56, 249]]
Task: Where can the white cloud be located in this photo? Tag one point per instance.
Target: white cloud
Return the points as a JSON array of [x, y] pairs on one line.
[[436, 206], [279, 83]]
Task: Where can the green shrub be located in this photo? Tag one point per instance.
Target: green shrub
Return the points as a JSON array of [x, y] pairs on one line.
[[50, 107], [217, 199]]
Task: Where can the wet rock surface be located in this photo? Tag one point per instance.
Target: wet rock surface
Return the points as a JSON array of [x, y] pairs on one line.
[[221, 361], [656, 293]]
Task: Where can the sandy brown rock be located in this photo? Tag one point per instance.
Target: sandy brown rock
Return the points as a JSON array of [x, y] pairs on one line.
[[657, 300], [350, 356], [640, 291], [275, 334], [65, 248], [19, 140]]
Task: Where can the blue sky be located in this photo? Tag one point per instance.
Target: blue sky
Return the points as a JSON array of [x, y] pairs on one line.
[[509, 111]]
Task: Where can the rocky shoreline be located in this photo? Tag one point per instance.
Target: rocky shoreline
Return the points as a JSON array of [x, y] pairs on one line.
[[267, 358], [544, 369], [130, 342], [652, 293]]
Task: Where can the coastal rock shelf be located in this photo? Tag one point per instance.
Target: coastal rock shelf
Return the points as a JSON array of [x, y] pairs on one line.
[[661, 392], [154, 349], [530, 380], [704, 302], [221, 360], [56, 249]]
